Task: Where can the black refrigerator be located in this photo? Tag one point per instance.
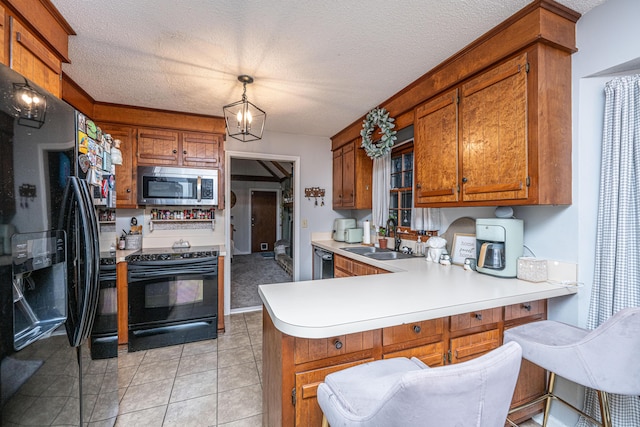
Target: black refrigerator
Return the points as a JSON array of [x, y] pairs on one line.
[[49, 266]]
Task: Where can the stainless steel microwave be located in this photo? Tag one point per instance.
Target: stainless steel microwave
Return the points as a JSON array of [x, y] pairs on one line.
[[167, 186]]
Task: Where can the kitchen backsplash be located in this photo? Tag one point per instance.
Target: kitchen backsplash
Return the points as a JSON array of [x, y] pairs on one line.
[[165, 233]]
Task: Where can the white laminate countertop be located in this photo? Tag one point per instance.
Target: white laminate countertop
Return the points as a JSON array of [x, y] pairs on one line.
[[416, 290]]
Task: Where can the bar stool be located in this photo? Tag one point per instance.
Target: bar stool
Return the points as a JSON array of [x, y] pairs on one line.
[[604, 359], [406, 392]]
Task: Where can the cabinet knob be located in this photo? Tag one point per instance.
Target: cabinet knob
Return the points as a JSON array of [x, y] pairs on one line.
[[128, 190], [418, 185], [478, 316], [416, 329], [527, 306], [184, 152], [464, 179], [174, 151], [337, 344]]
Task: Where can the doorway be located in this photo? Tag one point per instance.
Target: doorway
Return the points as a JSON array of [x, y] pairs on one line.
[[263, 220]]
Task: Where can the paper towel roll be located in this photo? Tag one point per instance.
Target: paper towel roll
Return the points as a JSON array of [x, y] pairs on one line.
[[366, 232]]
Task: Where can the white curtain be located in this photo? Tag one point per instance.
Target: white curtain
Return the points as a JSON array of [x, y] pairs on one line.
[[380, 190], [427, 219], [616, 283]]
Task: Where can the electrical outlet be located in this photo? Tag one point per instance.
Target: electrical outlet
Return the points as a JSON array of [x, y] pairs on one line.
[[305, 224]]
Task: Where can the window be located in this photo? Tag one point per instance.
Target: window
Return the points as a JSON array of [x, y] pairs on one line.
[[401, 196]]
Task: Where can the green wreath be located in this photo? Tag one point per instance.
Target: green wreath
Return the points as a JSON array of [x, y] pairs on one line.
[[378, 117]]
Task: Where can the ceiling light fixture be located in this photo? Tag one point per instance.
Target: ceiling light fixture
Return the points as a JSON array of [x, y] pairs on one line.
[[30, 105], [243, 120]]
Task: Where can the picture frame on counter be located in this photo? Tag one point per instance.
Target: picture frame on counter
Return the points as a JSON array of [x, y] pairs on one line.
[[464, 246]]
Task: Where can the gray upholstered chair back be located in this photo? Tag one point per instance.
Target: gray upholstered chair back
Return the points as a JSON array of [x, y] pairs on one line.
[[474, 393], [603, 359]]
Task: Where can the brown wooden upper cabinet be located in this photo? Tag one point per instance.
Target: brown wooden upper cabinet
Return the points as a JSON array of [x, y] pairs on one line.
[[126, 172], [174, 148], [436, 150], [31, 58], [498, 138], [352, 174]]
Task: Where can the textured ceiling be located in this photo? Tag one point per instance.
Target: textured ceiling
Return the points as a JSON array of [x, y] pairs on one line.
[[318, 65]]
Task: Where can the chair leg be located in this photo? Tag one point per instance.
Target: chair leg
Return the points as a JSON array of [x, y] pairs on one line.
[[325, 423], [605, 415], [547, 406]]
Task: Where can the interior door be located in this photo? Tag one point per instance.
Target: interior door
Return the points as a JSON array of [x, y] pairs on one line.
[[263, 220]]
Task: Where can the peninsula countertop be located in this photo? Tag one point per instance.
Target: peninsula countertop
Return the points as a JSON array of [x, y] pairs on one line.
[[416, 290]]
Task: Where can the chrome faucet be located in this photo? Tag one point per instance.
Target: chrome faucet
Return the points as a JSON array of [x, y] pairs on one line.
[[391, 223]]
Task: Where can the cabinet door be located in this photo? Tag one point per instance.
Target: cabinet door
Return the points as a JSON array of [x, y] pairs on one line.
[[471, 346], [201, 149], [308, 412], [3, 32], [126, 172], [349, 175], [32, 59], [157, 147], [436, 151], [493, 112], [337, 178]]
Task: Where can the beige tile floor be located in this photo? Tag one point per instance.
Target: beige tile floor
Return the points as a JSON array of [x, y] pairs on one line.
[[206, 383]]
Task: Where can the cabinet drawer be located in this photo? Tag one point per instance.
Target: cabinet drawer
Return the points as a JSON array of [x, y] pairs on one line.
[[307, 350], [362, 269], [474, 345], [431, 354], [413, 331], [475, 318], [525, 309]]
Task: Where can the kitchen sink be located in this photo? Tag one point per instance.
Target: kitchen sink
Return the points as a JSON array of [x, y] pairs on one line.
[[363, 250], [385, 256], [377, 253]]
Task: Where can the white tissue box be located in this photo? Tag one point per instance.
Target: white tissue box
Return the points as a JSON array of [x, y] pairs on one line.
[[532, 269]]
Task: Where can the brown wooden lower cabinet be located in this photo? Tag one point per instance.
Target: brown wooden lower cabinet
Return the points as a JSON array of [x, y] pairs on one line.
[[294, 367], [347, 267]]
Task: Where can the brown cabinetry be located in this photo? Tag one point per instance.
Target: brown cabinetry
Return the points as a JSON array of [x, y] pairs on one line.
[[493, 133], [436, 143], [347, 267], [31, 58], [484, 142], [300, 364], [157, 147], [352, 174], [126, 172]]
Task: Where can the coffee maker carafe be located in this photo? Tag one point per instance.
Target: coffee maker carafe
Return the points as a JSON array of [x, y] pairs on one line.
[[499, 244]]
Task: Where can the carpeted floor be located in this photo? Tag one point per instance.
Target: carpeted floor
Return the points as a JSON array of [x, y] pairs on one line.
[[249, 271]]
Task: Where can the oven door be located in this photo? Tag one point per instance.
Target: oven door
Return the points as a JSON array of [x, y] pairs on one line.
[[172, 299]]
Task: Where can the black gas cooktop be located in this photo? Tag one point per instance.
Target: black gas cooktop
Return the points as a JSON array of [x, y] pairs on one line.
[[165, 254]]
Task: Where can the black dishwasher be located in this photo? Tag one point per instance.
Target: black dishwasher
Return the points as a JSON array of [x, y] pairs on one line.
[[322, 264]]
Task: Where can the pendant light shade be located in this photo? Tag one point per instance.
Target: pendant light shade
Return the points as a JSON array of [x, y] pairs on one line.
[[243, 120]]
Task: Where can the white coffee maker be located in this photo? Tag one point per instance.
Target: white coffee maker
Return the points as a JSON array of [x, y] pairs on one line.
[[499, 244]]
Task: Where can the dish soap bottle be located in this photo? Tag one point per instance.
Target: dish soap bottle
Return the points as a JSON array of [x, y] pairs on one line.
[[419, 247]]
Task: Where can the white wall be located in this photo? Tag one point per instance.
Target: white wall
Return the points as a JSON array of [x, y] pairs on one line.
[[606, 37], [314, 169]]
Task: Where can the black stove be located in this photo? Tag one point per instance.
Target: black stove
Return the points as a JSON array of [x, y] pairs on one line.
[[167, 254], [107, 258]]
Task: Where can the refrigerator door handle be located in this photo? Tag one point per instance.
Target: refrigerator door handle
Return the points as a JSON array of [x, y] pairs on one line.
[[83, 300]]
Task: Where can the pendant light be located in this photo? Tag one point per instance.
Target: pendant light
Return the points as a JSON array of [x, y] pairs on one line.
[[243, 120], [30, 105]]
